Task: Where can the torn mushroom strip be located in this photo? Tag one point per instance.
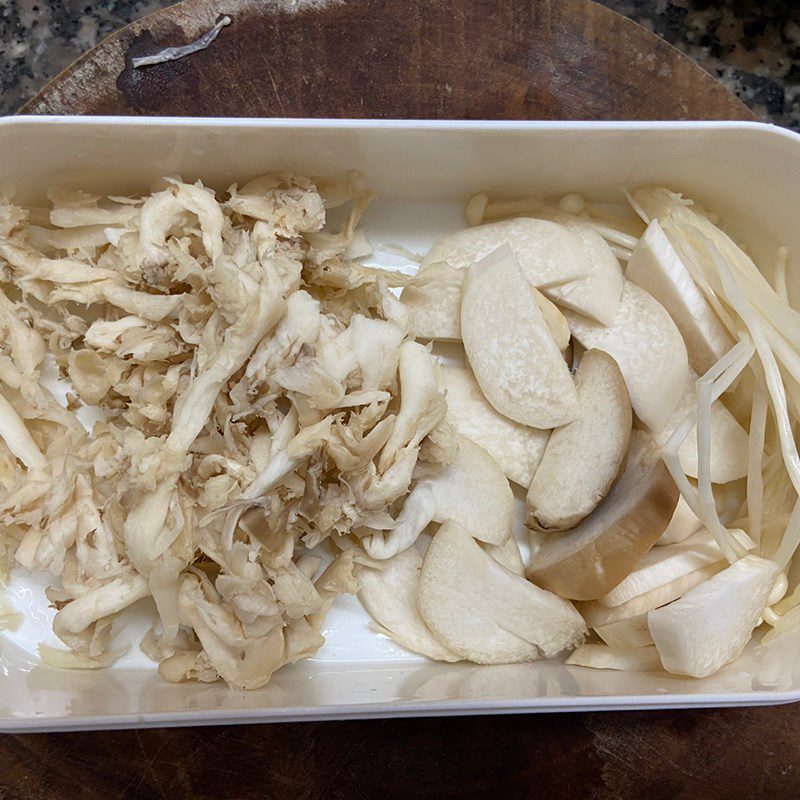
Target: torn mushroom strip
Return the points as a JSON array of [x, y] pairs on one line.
[[259, 395]]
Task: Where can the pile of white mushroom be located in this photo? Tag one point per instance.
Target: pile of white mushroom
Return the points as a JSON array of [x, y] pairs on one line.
[[268, 433], [258, 394]]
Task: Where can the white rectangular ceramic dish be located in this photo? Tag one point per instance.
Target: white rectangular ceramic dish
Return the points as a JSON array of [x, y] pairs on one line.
[[422, 172]]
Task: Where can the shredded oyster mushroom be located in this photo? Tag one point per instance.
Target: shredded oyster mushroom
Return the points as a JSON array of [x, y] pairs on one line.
[[256, 402]]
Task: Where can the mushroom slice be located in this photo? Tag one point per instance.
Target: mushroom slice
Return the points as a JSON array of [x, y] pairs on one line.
[[729, 440], [664, 564], [389, 595], [516, 448], [507, 555], [601, 656], [604, 263], [556, 322], [626, 633], [512, 354], [562, 263], [711, 624], [649, 349], [433, 300], [582, 459], [589, 560], [485, 613], [598, 616], [657, 268], [471, 490], [683, 524]]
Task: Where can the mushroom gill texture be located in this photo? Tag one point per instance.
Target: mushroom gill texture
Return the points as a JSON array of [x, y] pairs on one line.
[[260, 401]]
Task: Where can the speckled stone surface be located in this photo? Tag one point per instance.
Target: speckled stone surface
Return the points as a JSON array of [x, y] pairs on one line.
[[752, 47]]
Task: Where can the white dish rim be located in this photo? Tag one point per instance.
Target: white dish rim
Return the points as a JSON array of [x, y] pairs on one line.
[[397, 709]]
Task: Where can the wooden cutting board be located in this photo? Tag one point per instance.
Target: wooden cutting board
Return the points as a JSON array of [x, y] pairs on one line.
[[437, 59], [470, 59]]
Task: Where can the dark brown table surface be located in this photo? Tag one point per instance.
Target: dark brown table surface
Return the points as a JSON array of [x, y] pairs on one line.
[[679, 755], [475, 59]]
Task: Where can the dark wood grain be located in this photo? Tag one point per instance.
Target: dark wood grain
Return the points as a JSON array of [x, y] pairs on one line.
[[463, 59], [568, 59], [690, 755]]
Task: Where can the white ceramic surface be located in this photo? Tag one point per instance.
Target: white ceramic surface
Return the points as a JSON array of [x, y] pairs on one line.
[[422, 173]]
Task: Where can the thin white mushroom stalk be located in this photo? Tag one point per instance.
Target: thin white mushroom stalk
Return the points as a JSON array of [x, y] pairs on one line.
[[759, 316], [709, 387], [755, 476], [621, 233], [779, 277]]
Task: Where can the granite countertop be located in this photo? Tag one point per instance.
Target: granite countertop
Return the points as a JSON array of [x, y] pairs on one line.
[[752, 48], [753, 51]]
